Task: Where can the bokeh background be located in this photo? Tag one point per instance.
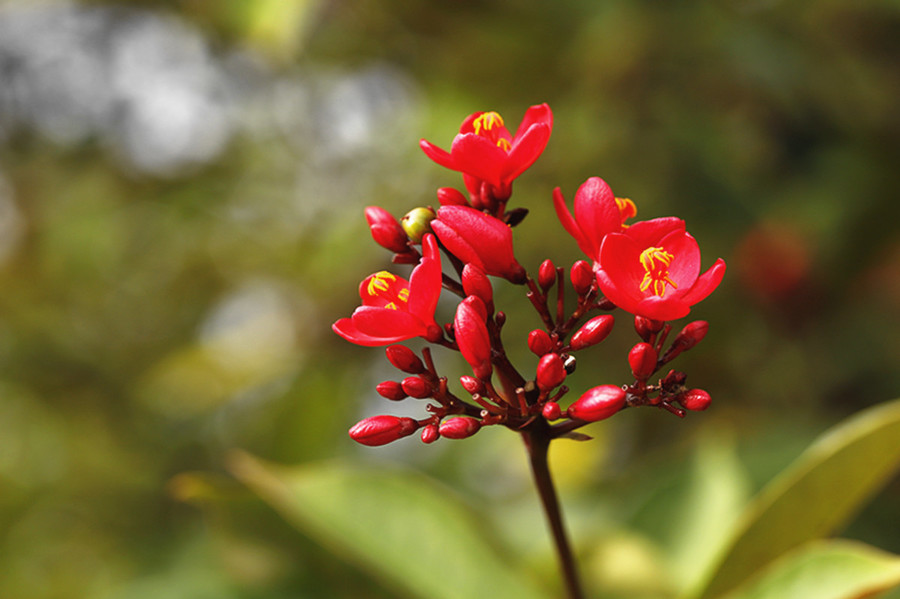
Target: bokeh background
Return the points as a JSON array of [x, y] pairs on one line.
[[181, 195]]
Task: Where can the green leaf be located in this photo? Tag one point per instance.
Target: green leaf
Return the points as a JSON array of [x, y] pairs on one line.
[[400, 526], [825, 570], [813, 497]]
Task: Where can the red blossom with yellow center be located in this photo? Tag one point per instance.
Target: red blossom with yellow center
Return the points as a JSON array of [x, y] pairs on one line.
[[485, 151], [394, 309], [597, 213], [652, 269]]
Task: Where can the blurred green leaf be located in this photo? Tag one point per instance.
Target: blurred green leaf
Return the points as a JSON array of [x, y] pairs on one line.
[[398, 525], [826, 570], [814, 496]]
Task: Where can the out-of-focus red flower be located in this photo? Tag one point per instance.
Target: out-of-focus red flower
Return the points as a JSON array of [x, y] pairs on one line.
[[597, 213], [653, 270], [480, 239], [394, 309], [484, 149]]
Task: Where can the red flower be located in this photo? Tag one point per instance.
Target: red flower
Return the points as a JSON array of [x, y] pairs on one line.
[[653, 270], [480, 239], [484, 150], [597, 213], [396, 310]]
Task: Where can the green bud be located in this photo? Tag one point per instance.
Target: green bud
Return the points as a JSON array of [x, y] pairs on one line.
[[417, 222]]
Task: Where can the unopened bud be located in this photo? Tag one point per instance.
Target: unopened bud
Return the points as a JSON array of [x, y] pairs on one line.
[[476, 283], [417, 222], [385, 229], [380, 430], [448, 196], [551, 411], [598, 403], [647, 327], [690, 335], [471, 384], [642, 359], [430, 434], [472, 335], [539, 342], [459, 428], [582, 277], [404, 359], [592, 332], [695, 400], [550, 372], [391, 390], [417, 387], [546, 274], [673, 382]]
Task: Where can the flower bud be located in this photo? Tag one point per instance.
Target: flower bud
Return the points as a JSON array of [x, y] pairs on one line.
[[550, 372], [539, 342], [582, 277], [385, 229], [475, 282], [473, 236], [471, 384], [598, 403], [642, 359], [459, 428], [417, 387], [417, 222], [695, 400], [592, 332], [404, 359], [472, 336], [430, 434], [448, 196], [647, 327], [391, 390], [690, 335], [546, 274], [380, 430], [551, 411]]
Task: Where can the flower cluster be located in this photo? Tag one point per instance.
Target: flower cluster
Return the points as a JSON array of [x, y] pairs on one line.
[[650, 269]]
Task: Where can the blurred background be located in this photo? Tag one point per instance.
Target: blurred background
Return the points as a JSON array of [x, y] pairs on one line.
[[181, 195]]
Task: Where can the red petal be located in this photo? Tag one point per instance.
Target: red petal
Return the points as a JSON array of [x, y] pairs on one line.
[[479, 157], [706, 283], [649, 233], [438, 155], [569, 224], [387, 324], [596, 212], [346, 329], [424, 289], [662, 308], [539, 114], [525, 150], [685, 264], [454, 243]]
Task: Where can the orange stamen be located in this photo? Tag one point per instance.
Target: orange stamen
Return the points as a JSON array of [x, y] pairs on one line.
[[382, 284]]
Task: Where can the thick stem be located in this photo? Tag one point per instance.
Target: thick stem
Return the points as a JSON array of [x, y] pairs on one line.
[[537, 441]]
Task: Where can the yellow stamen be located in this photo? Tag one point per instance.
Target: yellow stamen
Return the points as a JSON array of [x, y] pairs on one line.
[[487, 121], [380, 283], [627, 209], [656, 263], [504, 144]]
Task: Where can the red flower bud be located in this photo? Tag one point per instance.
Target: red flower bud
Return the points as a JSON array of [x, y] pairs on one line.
[[430, 434], [592, 332], [546, 274], [695, 400], [472, 335], [642, 359], [391, 390], [404, 359], [598, 403], [417, 387], [459, 428], [471, 384], [380, 430], [448, 196], [690, 335], [550, 372], [475, 282], [473, 236], [386, 230], [539, 342], [551, 411], [582, 277], [647, 327]]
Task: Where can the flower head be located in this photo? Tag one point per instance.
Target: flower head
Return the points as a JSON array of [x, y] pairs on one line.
[[653, 270], [484, 150], [394, 309], [597, 213]]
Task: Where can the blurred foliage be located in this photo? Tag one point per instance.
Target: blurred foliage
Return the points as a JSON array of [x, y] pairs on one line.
[[181, 194]]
